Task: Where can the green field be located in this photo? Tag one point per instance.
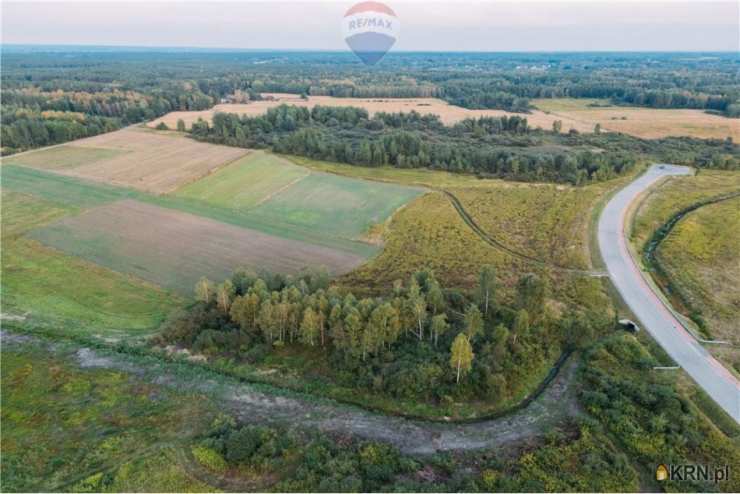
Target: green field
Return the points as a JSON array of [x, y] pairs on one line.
[[63, 157], [246, 182], [271, 190], [64, 292]]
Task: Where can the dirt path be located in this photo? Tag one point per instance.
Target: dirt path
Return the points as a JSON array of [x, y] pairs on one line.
[[264, 404]]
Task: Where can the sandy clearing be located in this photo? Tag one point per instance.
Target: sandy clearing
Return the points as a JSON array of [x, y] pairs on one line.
[[174, 249], [150, 161], [449, 114]]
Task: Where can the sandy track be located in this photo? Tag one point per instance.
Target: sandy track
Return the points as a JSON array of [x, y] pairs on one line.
[[261, 404]]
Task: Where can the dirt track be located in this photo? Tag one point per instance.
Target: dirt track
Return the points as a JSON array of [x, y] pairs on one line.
[[262, 404]]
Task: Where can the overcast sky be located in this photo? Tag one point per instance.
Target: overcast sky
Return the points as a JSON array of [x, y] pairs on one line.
[[621, 25]]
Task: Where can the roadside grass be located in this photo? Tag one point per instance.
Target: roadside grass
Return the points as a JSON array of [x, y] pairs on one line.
[[675, 194], [65, 426], [69, 293], [63, 157], [701, 258]]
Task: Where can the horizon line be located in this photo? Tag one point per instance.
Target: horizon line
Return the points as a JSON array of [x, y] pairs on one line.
[[332, 50]]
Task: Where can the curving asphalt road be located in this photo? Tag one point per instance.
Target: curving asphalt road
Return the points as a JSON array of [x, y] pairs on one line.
[[649, 308]]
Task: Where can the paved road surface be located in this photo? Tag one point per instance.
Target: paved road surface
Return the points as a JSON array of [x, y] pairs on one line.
[[655, 317]]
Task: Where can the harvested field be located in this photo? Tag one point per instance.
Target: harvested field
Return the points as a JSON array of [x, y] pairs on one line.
[[63, 157], [174, 249], [139, 158], [449, 114], [648, 123]]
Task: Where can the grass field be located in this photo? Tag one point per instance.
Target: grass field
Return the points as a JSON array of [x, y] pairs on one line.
[[245, 183], [702, 258], [647, 123], [74, 192], [699, 256], [68, 428], [174, 249], [274, 191], [64, 292], [139, 158]]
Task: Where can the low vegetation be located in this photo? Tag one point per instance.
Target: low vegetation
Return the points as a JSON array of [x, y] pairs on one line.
[[71, 428], [647, 415], [700, 257]]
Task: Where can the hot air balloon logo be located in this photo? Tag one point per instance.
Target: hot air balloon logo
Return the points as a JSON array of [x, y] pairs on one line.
[[370, 30]]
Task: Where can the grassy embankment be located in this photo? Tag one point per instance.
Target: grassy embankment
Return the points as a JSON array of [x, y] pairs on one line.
[[695, 264]]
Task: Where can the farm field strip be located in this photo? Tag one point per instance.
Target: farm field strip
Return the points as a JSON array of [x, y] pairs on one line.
[[71, 191], [245, 183], [138, 158], [272, 190], [174, 249]]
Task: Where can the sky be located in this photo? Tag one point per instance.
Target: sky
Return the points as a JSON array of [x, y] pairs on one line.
[[595, 25]]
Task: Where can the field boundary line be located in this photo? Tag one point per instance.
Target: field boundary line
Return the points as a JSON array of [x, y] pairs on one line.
[[280, 190]]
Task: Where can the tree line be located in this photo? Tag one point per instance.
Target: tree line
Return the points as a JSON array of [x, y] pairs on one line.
[[420, 341], [503, 147]]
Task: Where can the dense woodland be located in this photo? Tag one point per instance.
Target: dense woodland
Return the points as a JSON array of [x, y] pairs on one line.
[[52, 95], [419, 342], [505, 147]]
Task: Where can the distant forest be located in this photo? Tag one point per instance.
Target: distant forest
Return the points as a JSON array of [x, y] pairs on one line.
[[52, 95]]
